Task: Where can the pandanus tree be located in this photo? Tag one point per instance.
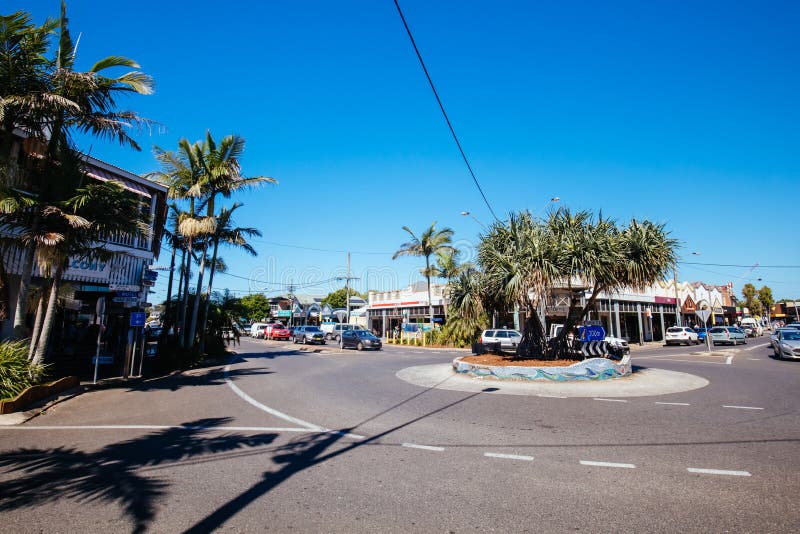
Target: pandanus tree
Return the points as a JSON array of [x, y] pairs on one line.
[[525, 259], [429, 242], [54, 102]]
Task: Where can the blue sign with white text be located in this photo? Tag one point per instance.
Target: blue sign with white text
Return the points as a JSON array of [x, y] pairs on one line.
[[592, 333], [137, 318]]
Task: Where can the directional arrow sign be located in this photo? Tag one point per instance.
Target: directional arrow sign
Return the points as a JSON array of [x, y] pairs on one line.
[[703, 315]]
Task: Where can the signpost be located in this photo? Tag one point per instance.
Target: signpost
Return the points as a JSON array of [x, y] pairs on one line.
[[593, 333], [137, 321], [704, 315]]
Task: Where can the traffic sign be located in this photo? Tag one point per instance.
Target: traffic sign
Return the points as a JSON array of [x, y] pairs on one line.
[[592, 333], [703, 315], [137, 318]]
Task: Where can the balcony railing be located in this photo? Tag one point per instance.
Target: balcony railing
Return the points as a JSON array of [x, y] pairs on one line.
[[125, 239]]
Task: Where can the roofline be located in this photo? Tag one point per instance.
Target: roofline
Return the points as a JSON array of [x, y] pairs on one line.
[[124, 173]]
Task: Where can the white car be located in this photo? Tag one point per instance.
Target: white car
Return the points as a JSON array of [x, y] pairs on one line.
[[617, 345], [678, 335], [257, 330], [508, 339]]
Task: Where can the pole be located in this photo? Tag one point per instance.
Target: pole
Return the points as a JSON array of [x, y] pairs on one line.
[[347, 289], [677, 297]]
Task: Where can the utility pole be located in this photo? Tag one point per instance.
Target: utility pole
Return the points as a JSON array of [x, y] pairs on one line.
[[291, 302], [347, 286]]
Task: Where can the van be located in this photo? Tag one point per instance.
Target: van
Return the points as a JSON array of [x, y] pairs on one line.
[[752, 323], [257, 330]]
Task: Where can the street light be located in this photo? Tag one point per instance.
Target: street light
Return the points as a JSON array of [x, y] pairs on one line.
[[546, 204], [468, 214]]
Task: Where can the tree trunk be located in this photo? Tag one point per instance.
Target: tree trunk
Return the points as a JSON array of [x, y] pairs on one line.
[[185, 301], [533, 343], [49, 318], [37, 322], [171, 274], [21, 309], [196, 306], [5, 304], [207, 306]]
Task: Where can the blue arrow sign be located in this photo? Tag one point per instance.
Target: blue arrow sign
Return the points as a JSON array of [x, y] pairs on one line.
[[592, 333]]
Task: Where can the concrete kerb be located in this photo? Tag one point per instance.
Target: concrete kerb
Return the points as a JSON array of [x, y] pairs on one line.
[[37, 408]]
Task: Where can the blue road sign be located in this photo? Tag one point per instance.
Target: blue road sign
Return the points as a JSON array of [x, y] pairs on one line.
[[592, 333], [137, 318]]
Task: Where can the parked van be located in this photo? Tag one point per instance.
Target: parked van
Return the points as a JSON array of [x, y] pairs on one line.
[[257, 330], [755, 325]]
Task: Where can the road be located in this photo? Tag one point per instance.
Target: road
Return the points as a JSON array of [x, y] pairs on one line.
[[288, 440]]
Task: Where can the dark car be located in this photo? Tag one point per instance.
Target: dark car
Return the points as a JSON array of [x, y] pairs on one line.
[[360, 340], [308, 334]]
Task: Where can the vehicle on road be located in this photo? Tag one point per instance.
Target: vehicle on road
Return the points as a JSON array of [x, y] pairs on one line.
[[257, 330], [508, 339], [755, 327], [727, 335], [679, 335], [278, 331], [360, 340], [308, 334], [617, 345], [336, 332], [786, 343], [701, 333]]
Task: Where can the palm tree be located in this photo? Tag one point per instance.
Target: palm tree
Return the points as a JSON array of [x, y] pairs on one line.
[[77, 227], [228, 234], [467, 312], [427, 244], [70, 101], [447, 267]]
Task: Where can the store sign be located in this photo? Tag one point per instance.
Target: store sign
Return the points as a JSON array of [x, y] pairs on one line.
[[125, 299], [122, 287], [87, 268]]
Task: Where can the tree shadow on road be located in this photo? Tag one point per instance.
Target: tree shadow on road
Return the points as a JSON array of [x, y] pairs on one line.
[[111, 474], [303, 453]]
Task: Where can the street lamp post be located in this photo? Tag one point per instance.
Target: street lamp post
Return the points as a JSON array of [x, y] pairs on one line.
[[468, 214]]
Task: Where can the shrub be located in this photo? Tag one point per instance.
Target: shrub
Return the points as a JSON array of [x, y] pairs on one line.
[[16, 372]]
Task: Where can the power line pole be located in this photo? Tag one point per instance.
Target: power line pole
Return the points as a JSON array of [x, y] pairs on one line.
[[291, 302], [347, 286]]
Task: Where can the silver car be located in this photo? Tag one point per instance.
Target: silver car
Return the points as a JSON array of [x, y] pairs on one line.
[[508, 339], [787, 344]]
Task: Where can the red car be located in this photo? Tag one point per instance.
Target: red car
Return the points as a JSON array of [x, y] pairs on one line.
[[276, 331]]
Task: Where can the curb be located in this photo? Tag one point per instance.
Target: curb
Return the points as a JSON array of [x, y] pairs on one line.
[[18, 418]]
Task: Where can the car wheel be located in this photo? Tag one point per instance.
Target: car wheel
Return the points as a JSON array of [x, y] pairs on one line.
[[294, 340], [338, 338], [359, 346], [323, 341]]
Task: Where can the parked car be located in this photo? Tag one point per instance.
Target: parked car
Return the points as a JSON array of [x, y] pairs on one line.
[[257, 330], [727, 334], [678, 335], [308, 334], [754, 326], [278, 331], [336, 331], [787, 344], [508, 339], [360, 340], [701, 333], [749, 330]]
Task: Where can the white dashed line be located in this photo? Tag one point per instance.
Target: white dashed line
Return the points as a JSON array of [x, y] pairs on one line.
[[552, 396], [674, 403], [718, 472], [758, 346], [743, 407], [423, 447], [729, 360], [508, 456], [610, 400], [754, 359], [607, 464]]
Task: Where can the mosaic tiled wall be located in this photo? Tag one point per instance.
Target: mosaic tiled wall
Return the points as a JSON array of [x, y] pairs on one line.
[[591, 369]]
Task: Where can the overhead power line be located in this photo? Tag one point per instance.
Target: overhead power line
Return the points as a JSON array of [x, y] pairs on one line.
[[441, 107], [743, 266]]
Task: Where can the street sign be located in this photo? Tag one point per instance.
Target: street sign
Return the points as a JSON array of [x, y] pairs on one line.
[[703, 315], [137, 318], [592, 333]]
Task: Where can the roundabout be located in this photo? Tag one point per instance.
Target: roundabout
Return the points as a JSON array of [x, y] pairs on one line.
[[640, 382]]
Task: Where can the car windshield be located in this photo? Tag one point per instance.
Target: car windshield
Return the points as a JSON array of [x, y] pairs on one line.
[[313, 329], [675, 330], [362, 333], [717, 330], [792, 336]]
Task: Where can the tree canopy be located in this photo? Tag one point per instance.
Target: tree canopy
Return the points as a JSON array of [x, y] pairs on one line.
[[338, 299], [255, 306]]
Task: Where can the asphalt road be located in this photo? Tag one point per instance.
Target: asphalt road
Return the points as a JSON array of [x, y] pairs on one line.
[[283, 440]]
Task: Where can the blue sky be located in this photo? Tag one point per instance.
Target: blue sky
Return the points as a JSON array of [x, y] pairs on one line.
[[679, 112]]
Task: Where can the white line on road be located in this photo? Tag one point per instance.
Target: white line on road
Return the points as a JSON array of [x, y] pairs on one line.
[[674, 403], [754, 347], [607, 464], [423, 447], [674, 360], [754, 359], [552, 396], [718, 472], [610, 400], [729, 360], [159, 427], [508, 456], [743, 407]]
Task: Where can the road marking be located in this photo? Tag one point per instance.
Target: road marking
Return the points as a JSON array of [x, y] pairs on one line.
[[607, 464], [508, 456], [729, 360], [159, 427], [758, 346], [743, 407], [552, 396], [754, 359], [674, 403], [674, 360], [423, 447], [610, 400], [280, 415], [718, 472]]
